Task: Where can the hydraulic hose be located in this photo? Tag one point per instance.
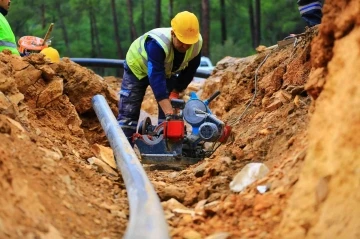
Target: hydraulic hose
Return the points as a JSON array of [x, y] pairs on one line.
[[147, 218]]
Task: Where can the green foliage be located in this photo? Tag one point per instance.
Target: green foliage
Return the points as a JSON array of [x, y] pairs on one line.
[[229, 48], [279, 20]]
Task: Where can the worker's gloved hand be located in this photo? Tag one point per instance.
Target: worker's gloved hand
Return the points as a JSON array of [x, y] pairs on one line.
[[174, 95], [171, 117]]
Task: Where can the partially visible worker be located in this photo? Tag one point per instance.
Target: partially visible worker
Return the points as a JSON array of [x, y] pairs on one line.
[[164, 58], [310, 11], [7, 37]]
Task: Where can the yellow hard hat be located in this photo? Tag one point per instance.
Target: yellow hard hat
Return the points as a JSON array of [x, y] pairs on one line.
[[51, 53], [186, 27]]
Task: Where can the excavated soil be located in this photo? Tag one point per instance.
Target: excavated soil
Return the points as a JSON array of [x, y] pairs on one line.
[[57, 181]]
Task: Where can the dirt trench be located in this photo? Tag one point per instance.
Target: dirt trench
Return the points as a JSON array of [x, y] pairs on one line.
[[303, 125]]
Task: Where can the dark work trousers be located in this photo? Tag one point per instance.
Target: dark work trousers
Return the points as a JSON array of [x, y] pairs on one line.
[[310, 11], [132, 94]]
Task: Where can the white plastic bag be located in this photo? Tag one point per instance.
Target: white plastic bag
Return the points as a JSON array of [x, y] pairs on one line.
[[249, 174]]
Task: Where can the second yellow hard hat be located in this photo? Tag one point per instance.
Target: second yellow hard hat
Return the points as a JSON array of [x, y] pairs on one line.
[[51, 53]]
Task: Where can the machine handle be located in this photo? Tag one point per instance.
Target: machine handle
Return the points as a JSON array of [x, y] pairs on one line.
[[212, 97]]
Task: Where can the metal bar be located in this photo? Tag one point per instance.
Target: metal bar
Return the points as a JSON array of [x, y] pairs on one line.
[[147, 218], [115, 63]]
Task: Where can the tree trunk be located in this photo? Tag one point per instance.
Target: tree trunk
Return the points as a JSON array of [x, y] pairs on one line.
[[57, 7], [119, 51], [133, 34], [158, 13], [251, 20], [95, 41], [257, 19], [255, 22], [43, 20], [92, 33], [97, 37], [205, 31], [171, 9], [223, 21], [143, 16]]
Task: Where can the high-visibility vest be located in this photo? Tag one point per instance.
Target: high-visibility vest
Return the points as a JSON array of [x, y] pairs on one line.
[[7, 38], [137, 59]]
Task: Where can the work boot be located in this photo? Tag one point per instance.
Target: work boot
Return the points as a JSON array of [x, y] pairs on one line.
[[129, 132]]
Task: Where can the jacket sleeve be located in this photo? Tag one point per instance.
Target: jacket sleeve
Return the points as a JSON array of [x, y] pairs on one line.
[[156, 68], [186, 75]]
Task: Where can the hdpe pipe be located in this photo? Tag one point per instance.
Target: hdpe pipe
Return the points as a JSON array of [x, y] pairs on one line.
[[116, 63], [147, 218]]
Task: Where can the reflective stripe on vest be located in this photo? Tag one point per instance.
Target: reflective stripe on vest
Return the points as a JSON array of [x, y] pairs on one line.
[[137, 58], [7, 44]]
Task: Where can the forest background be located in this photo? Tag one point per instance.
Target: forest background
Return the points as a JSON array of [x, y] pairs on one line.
[[106, 28]]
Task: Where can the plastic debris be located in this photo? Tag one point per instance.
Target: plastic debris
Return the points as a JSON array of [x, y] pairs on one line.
[[263, 188], [249, 174]]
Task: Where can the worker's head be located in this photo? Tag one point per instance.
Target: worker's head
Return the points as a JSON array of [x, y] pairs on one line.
[[5, 4], [51, 53], [185, 30]]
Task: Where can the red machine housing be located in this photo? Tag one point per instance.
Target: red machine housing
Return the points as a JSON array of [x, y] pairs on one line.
[[174, 130]]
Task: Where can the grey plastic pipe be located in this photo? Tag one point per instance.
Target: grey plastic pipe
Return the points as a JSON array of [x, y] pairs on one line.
[[147, 218], [116, 63]]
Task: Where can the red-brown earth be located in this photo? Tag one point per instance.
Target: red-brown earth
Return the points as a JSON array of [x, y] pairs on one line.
[[57, 181]]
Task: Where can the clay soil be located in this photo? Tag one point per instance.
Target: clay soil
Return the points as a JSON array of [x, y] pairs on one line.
[[303, 124]]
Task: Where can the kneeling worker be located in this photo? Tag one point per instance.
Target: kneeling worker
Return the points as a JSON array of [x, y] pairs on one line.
[[164, 58]]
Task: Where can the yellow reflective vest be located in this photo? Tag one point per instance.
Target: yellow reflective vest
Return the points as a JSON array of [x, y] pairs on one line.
[[7, 38], [136, 57]]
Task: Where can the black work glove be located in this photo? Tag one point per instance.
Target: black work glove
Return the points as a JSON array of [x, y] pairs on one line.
[[171, 117]]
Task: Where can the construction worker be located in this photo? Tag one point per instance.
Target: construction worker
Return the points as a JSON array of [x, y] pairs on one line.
[[310, 11], [7, 37], [164, 58]]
